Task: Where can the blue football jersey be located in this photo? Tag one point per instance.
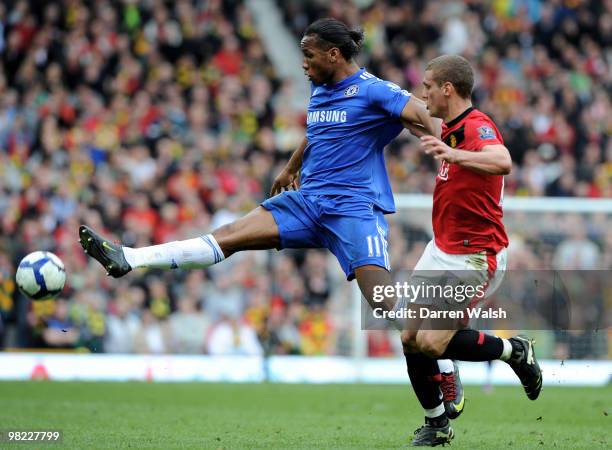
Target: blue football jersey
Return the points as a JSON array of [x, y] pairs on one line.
[[348, 126]]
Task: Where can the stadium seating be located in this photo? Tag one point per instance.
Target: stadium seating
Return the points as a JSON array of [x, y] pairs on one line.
[[160, 123]]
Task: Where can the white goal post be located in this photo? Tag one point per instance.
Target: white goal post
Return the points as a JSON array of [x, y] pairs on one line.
[[525, 204]]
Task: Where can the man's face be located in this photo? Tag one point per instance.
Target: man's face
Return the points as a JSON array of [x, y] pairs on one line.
[[317, 63], [434, 96]]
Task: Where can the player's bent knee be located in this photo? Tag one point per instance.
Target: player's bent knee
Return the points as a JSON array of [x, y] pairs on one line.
[[227, 235], [410, 347], [430, 343], [409, 343]]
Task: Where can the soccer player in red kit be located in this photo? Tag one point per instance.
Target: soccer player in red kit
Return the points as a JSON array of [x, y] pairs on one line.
[[469, 236]]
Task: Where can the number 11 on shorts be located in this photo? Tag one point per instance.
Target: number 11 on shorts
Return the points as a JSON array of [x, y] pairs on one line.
[[373, 245]]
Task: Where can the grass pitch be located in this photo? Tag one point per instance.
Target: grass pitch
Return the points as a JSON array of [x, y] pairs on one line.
[[135, 415]]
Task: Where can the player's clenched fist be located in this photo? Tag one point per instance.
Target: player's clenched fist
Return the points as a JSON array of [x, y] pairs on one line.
[[438, 149], [285, 180]]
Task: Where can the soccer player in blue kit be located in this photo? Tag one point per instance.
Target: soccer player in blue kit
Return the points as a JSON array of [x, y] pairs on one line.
[[333, 193], [341, 190]]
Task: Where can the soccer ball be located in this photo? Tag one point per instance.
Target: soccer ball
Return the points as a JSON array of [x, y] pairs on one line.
[[41, 275]]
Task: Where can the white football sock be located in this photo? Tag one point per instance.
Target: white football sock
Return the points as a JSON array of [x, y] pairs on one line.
[[507, 351], [435, 412], [446, 366], [194, 253]]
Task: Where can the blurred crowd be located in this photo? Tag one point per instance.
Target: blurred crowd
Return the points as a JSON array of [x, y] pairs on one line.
[[154, 121], [543, 74]]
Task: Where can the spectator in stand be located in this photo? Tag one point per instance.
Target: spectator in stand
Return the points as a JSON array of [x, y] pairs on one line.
[[577, 252], [61, 332], [154, 335], [123, 325], [233, 337], [188, 327]]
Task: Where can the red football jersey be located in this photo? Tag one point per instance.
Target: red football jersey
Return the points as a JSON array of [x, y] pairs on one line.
[[467, 207]]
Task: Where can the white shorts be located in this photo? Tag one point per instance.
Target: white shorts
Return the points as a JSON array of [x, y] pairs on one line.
[[489, 269]]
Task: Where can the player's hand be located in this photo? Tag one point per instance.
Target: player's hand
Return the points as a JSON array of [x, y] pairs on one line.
[[286, 180], [438, 149]]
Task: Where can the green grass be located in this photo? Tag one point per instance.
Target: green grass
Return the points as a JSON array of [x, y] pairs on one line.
[[123, 415]]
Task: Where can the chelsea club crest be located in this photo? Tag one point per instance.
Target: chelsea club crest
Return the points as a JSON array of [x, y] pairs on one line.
[[351, 90]]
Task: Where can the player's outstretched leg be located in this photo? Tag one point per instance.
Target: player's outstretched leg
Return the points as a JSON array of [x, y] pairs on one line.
[[451, 387], [257, 230]]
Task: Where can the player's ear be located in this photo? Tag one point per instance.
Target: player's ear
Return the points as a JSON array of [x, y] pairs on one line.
[[447, 88], [333, 54]]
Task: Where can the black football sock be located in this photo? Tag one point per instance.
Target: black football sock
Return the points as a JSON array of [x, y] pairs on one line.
[[472, 345], [425, 378]]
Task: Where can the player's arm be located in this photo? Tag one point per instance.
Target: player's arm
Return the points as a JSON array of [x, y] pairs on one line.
[[402, 105], [289, 176], [492, 159], [417, 120]]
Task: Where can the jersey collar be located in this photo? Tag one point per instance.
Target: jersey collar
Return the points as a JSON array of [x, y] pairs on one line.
[[459, 118], [348, 80]]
